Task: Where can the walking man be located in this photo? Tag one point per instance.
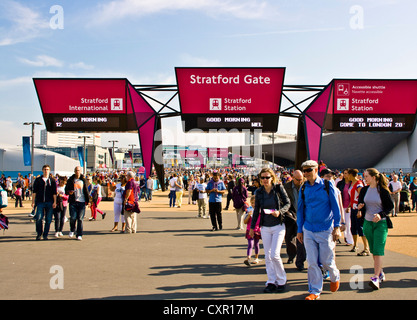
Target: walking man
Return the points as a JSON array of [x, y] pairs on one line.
[[78, 199], [295, 249], [318, 220], [44, 199], [215, 189]]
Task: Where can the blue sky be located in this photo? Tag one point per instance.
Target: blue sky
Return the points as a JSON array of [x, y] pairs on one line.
[[145, 40]]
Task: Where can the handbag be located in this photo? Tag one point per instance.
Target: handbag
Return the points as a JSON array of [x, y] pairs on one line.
[[132, 207], [389, 222]]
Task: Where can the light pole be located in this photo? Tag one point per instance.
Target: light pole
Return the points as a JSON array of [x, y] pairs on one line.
[[84, 154], [114, 160], [32, 146], [132, 145]]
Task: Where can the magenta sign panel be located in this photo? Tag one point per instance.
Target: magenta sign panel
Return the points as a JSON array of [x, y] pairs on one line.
[[229, 98], [84, 104], [374, 105]]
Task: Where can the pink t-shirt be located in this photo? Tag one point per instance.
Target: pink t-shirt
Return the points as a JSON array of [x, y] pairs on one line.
[[346, 196]]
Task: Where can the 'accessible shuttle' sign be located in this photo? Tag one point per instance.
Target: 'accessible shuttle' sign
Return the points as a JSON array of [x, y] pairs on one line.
[[228, 98], [374, 105]]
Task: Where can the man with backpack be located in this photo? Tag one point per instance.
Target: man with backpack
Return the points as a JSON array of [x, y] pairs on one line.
[[318, 221], [44, 199]]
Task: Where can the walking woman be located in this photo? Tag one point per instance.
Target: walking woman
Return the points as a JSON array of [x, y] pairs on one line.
[[95, 199], [239, 196], [179, 191], [61, 207], [356, 223], [268, 204], [375, 205], [118, 203]]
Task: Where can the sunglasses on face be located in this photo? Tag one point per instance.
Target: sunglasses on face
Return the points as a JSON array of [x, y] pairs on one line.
[[263, 178], [308, 170]]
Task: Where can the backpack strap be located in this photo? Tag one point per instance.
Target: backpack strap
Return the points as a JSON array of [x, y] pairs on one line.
[[326, 187]]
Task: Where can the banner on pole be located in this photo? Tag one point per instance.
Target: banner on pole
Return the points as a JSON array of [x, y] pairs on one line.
[[81, 156], [27, 160]]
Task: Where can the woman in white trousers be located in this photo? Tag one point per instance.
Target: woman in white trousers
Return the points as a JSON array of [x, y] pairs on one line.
[[268, 200], [118, 190]]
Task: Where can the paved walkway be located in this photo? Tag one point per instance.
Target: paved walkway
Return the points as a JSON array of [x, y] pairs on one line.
[[174, 255]]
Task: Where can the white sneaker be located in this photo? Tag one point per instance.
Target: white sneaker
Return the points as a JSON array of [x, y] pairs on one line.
[[374, 283], [381, 277], [79, 238], [56, 234], [71, 234], [61, 234]]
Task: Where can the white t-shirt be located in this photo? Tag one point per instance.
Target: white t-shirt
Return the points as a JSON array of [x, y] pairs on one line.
[[172, 183], [97, 187], [149, 184], [118, 194], [78, 190], [396, 186], [202, 187], [191, 185]]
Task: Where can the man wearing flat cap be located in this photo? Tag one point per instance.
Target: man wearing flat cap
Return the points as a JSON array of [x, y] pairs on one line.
[[318, 220]]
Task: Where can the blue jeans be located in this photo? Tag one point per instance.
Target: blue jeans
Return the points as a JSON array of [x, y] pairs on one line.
[[43, 209], [319, 247], [144, 193], [77, 212], [172, 198], [149, 193]]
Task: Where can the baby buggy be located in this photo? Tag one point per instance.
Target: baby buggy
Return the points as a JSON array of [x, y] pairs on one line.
[[404, 202]]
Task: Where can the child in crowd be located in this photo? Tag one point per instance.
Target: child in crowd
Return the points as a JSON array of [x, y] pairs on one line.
[[252, 242], [18, 194]]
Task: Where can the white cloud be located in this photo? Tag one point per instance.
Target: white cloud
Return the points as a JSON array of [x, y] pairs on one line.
[[23, 23], [190, 60], [42, 61], [243, 9], [5, 84], [81, 65]]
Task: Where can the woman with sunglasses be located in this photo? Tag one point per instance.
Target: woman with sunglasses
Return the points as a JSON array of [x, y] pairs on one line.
[[268, 199]]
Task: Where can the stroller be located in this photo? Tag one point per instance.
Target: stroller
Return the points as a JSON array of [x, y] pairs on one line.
[[404, 202]]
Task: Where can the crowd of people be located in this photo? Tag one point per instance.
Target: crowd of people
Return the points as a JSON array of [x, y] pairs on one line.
[[52, 196], [311, 209]]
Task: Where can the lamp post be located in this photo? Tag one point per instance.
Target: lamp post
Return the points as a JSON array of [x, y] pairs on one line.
[[32, 146], [132, 145], [84, 155], [114, 160]]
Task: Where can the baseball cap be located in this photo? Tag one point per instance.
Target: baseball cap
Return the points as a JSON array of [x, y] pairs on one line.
[[326, 171]]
